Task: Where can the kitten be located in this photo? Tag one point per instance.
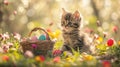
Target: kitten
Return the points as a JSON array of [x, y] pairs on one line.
[[73, 37]]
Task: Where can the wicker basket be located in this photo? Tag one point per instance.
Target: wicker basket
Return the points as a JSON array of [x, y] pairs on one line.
[[44, 47]]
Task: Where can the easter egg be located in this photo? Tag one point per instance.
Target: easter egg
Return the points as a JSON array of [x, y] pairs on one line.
[[34, 38], [42, 37]]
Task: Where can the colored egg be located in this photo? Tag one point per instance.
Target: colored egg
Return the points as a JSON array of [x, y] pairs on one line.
[[34, 38], [42, 37]]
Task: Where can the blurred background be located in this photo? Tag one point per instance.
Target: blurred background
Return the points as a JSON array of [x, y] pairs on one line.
[[23, 15]]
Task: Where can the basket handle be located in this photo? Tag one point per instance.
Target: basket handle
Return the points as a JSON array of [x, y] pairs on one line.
[[39, 28]]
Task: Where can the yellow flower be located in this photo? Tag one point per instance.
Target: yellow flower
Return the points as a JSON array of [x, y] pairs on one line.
[[37, 58], [51, 34], [40, 58], [99, 39], [57, 33], [68, 59], [119, 42], [54, 34], [88, 57]]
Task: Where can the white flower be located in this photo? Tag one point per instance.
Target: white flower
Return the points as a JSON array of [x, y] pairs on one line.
[[17, 36]]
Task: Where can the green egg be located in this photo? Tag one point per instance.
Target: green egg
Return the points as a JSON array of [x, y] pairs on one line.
[[42, 37]]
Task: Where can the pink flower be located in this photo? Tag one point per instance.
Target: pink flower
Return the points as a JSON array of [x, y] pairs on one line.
[[5, 36], [34, 46], [6, 2], [56, 59], [17, 36], [5, 48], [115, 29], [9, 44]]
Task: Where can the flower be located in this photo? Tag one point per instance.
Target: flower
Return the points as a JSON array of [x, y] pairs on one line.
[[99, 39], [110, 42], [57, 52], [15, 12], [56, 59], [54, 34], [49, 30], [34, 46], [87, 57], [106, 64], [115, 29], [5, 36], [96, 36], [40, 58], [6, 2], [5, 58], [17, 36], [9, 44], [119, 42], [5, 48], [37, 58], [69, 59], [105, 34], [28, 54]]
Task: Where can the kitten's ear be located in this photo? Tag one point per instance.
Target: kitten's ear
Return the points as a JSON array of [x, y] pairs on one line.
[[76, 14], [64, 12]]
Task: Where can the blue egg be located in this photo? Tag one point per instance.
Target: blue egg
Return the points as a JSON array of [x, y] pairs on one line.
[[42, 37]]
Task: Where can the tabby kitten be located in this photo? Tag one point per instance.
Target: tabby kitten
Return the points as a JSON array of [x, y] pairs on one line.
[[73, 37]]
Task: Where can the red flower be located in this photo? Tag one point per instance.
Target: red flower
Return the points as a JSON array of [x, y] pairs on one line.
[[57, 52], [110, 42], [56, 59], [5, 58], [106, 64], [42, 58]]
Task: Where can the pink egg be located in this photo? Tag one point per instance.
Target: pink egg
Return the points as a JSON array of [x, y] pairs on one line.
[[34, 38]]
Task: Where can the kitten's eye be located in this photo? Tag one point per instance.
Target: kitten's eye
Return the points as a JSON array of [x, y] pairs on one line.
[[68, 16]]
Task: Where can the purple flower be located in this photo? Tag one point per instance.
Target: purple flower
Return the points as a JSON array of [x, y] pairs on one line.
[[34, 46]]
